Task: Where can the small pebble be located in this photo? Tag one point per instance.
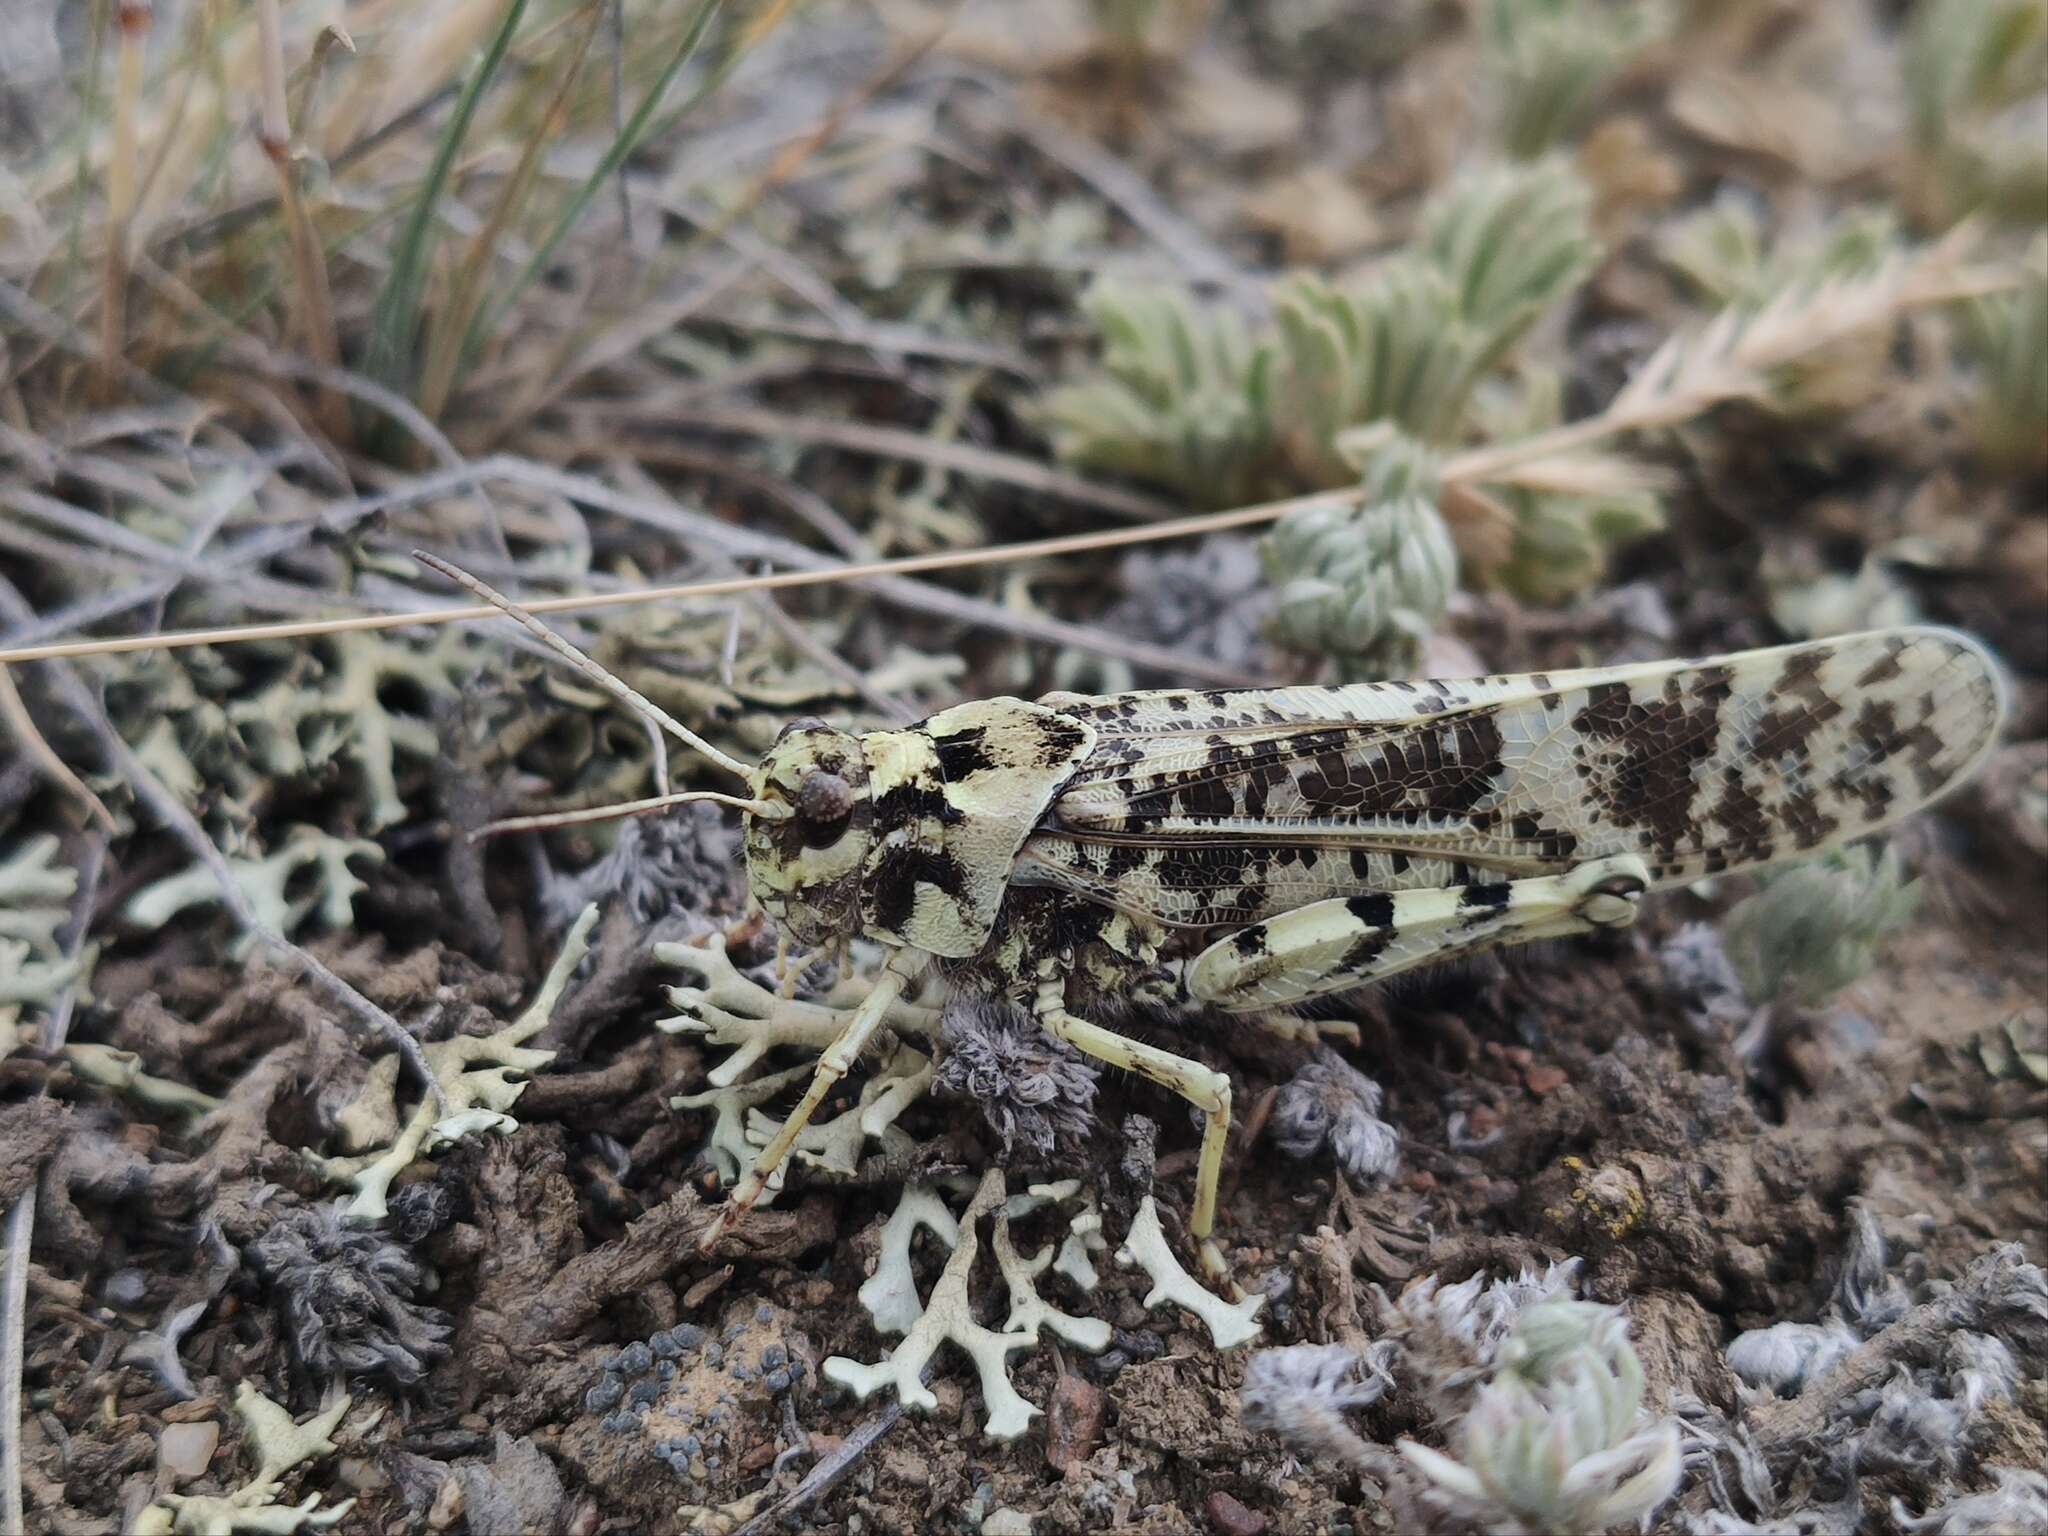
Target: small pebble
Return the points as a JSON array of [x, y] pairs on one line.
[[1006, 1522], [125, 1288], [186, 1450], [1231, 1518], [1544, 1079], [604, 1395], [634, 1359]]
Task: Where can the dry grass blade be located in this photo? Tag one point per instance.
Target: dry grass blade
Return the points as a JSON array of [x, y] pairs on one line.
[[315, 301], [1737, 353], [816, 575], [23, 728]]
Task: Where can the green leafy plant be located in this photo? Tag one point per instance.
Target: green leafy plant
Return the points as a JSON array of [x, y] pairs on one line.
[[1968, 65], [1547, 62], [1817, 926], [2006, 336]]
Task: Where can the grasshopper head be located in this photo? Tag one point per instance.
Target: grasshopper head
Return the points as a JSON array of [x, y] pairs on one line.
[[805, 867]]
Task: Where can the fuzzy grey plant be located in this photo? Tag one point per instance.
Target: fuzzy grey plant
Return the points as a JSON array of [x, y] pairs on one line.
[[347, 1296], [1331, 1104], [1452, 1333], [2018, 1503], [1558, 1439], [683, 863], [1784, 1357], [1817, 926], [1035, 1093], [1301, 1392]]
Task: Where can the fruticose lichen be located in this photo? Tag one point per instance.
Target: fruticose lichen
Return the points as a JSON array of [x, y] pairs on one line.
[[475, 1076], [279, 1445], [1146, 1247]]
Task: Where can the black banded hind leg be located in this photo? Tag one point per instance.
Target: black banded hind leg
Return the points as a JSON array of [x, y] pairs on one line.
[[1348, 941], [1205, 1088]]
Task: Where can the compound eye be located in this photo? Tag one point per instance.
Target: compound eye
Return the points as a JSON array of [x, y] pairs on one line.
[[823, 802]]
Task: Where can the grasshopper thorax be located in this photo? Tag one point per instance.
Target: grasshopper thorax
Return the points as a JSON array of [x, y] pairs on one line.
[[805, 867]]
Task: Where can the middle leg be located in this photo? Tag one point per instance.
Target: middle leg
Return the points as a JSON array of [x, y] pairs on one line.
[[1205, 1088]]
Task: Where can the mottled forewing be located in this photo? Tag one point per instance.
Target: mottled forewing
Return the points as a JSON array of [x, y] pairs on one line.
[[1218, 808]]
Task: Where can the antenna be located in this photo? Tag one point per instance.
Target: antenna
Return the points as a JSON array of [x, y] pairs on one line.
[[632, 698]]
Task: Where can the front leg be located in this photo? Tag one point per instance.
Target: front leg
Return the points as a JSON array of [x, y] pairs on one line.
[[1334, 945], [903, 968], [1208, 1090]]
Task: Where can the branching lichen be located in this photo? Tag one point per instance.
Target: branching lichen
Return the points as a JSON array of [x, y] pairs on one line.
[[279, 1445], [475, 1073], [733, 1009], [949, 1316], [272, 884], [1146, 1247]]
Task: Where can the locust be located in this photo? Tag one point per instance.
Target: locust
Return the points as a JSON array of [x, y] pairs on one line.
[[1245, 852]]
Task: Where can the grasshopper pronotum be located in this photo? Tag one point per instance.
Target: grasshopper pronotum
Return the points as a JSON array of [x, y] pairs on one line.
[[1246, 851]]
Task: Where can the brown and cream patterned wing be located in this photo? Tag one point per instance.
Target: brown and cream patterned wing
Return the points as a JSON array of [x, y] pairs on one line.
[[1209, 809]]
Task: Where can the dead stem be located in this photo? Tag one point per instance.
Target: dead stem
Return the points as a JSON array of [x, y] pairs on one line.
[[315, 317], [123, 182]]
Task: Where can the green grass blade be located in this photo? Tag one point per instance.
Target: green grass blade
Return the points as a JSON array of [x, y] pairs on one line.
[[622, 145], [395, 318]]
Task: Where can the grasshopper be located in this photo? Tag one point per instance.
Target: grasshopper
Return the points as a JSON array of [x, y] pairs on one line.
[[1247, 851]]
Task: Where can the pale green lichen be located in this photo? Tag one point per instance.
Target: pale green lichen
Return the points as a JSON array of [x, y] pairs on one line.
[[307, 876], [475, 1073], [1146, 1247], [734, 1010], [1547, 62], [949, 1317], [122, 1072], [279, 1445], [35, 901], [890, 1295]]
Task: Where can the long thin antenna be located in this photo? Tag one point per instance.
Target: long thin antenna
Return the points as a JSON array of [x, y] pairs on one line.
[[909, 565], [631, 697], [773, 810]]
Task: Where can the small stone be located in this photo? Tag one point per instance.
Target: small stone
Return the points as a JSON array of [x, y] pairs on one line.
[[125, 1288], [1231, 1518], [1544, 1079], [1006, 1522], [605, 1395], [634, 1359], [447, 1505], [186, 1450]]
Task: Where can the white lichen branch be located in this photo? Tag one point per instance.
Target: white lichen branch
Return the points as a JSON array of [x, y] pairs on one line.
[[1146, 1247]]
